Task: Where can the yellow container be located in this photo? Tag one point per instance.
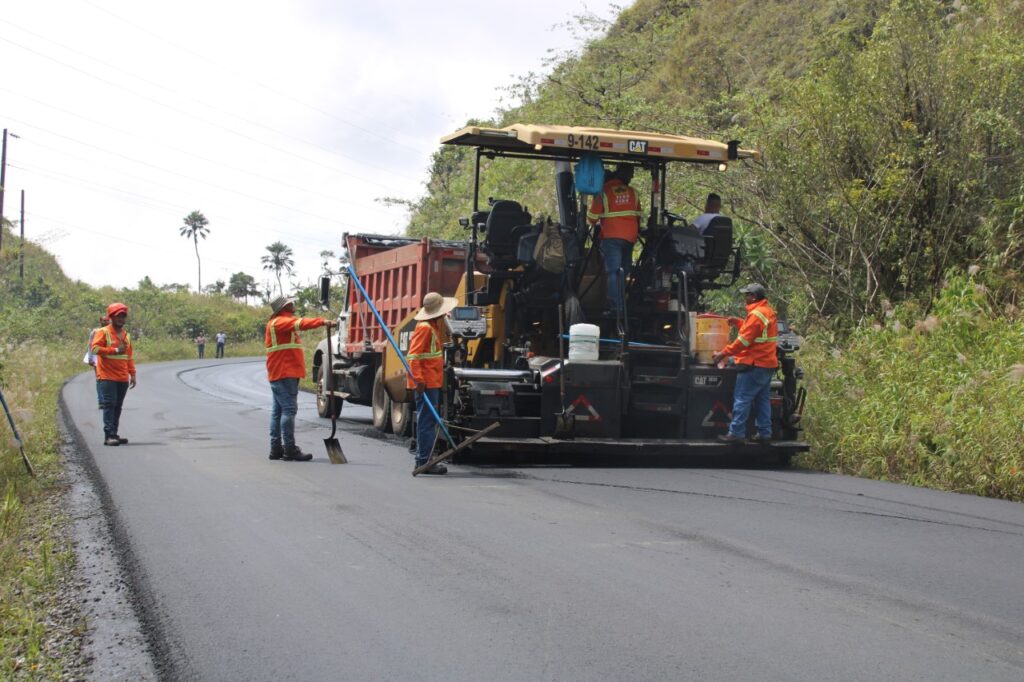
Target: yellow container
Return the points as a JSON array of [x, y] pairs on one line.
[[712, 335]]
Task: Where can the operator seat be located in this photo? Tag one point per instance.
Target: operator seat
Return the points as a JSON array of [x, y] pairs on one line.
[[718, 237], [500, 234]]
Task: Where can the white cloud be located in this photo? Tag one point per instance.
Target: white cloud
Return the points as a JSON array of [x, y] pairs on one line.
[[279, 120]]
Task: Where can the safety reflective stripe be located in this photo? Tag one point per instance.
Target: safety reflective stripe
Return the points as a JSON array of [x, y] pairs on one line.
[[744, 341], [275, 346], [110, 344], [764, 338], [617, 214], [434, 352]]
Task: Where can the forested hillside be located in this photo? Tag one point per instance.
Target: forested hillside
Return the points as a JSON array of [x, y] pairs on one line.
[[885, 215]]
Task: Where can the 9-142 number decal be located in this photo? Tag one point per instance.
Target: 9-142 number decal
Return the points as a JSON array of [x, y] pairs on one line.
[[590, 142]]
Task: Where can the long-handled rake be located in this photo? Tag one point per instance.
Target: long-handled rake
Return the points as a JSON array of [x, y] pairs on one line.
[[453, 448]]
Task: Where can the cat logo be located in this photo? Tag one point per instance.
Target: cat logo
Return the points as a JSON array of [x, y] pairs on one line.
[[589, 413], [638, 146], [708, 380]]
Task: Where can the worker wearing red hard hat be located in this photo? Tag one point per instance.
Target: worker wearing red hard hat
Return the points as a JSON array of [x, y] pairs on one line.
[[115, 370]]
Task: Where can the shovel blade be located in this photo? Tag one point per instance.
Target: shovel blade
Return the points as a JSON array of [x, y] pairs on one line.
[[334, 451]]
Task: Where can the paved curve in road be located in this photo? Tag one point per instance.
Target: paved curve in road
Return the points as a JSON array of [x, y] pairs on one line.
[[259, 570]]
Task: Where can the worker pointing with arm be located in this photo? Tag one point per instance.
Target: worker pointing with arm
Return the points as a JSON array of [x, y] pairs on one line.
[[286, 364], [756, 363], [426, 360], [115, 370]]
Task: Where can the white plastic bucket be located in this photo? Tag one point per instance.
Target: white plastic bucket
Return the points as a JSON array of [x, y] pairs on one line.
[[584, 340]]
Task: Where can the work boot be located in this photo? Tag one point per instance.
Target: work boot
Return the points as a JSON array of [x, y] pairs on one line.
[[729, 438], [276, 452], [295, 454], [122, 441], [437, 470], [111, 440], [761, 440]]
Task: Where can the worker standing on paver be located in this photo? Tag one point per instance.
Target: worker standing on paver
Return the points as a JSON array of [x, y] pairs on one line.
[[426, 360], [286, 364], [618, 210], [115, 370], [756, 364]]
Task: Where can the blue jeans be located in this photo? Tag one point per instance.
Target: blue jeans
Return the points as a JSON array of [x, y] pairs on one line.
[[426, 425], [753, 389], [618, 261], [111, 395], [282, 414]]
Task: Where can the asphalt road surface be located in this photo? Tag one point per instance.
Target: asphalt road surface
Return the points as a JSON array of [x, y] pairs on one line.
[[249, 569]]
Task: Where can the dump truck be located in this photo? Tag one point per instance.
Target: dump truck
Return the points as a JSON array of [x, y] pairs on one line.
[[651, 390], [397, 272]]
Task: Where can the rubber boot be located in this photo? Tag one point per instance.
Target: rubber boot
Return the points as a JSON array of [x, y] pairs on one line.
[[295, 454]]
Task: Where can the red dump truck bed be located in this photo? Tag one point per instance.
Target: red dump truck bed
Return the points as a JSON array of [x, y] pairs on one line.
[[397, 273]]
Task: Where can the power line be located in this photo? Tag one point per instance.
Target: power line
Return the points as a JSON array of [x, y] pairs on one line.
[[184, 95], [152, 203], [170, 172], [183, 112], [236, 169], [246, 77]]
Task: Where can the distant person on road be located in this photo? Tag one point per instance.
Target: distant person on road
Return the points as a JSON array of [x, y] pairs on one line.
[[286, 364], [115, 370], [201, 345], [618, 210], [90, 357], [712, 209], [222, 338], [426, 360], [756, 364]]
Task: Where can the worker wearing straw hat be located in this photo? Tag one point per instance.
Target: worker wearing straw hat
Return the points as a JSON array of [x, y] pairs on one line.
[[426, 362]]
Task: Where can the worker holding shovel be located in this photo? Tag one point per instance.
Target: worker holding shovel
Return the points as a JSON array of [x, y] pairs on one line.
[[426, 364], [286, 364]]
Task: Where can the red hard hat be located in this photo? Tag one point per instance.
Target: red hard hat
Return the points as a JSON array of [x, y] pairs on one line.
[[116, 308]]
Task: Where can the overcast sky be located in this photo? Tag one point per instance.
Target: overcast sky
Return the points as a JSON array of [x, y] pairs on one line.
[[280, 121]]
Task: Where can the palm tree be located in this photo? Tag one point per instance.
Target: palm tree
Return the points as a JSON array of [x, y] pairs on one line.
[[194, 228], [278, 260]]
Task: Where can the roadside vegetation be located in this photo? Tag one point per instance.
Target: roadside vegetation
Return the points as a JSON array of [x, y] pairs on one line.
[[887, 219], [45, 320], [893, 146]]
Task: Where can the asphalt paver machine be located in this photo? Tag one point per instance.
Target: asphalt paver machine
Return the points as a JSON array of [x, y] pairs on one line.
[[649, 392]]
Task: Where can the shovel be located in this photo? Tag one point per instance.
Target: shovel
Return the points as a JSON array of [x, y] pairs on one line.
[[24, 457], [334, 451]]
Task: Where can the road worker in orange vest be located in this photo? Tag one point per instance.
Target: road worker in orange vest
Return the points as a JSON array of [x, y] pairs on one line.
[[756, 364], [286, 364], [115, 370], [426, 360], [618, 209]]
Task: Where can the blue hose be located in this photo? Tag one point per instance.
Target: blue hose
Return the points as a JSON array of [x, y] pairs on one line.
[[394, 344]]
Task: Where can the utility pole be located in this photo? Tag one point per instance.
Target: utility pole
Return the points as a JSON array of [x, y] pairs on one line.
[[21, 253], [3, 181]]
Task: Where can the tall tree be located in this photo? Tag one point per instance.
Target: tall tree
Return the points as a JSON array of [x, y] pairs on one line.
[[242, 286], [195, 227], [278, 260]]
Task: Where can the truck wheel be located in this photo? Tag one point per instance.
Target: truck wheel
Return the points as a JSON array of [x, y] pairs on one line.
[[402, 418], [381, 403], [326, 406]]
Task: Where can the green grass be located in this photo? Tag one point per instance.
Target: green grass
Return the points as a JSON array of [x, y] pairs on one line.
[[35, 551], [932, 399]]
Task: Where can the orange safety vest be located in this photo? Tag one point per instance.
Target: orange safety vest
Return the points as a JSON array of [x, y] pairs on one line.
[[285, 359], [758, 337], [426, 359], [111, 365], [618, 209]]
